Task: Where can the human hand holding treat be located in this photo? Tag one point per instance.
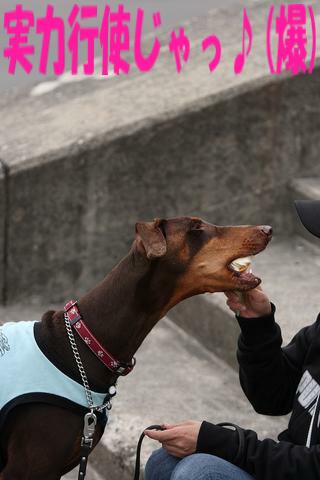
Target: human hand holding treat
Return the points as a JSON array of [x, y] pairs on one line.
[[251, 304]]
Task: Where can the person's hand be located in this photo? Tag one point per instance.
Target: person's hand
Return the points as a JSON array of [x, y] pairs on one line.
[[178, 440], [251, 304]]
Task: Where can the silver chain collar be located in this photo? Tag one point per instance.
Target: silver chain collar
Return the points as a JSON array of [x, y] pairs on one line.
[[112, 390]]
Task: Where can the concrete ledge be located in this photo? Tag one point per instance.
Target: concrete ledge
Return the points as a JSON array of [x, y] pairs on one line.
[[304, 189], [3, 214], [88, 162], [208, 321], [72, 218]]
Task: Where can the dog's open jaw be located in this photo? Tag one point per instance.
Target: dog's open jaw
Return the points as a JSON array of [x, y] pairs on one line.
[[241, 264], [242, 271]]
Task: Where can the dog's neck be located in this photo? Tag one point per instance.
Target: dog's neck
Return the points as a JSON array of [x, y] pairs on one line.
[[123, 309], [120, 312]]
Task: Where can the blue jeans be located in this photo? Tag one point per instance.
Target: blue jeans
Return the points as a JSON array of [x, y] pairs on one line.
[[200, 466]]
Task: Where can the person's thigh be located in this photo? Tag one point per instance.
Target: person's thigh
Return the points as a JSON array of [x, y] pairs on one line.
[[207, 467], [160, 465]]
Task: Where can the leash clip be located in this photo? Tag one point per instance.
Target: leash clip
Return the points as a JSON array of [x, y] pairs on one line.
[[90, 422]]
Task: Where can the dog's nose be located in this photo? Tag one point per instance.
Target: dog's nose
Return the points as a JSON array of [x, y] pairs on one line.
[[266, 229]]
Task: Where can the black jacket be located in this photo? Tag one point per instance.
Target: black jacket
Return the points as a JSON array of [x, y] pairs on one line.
[[276, 381]]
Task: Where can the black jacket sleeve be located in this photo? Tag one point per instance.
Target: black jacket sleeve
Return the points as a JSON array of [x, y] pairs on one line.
[[269, 374], [266, 459]]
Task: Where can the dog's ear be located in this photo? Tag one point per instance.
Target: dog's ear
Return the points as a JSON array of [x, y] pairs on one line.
[[152, 238]]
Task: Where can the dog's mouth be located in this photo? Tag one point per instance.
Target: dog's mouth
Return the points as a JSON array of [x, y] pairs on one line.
[[241, 269], [241, 265]]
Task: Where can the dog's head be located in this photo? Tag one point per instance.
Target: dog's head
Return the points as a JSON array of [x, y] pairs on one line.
[[201, 256]]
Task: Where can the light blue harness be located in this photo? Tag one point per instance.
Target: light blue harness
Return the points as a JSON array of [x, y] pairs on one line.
[[24, 369]]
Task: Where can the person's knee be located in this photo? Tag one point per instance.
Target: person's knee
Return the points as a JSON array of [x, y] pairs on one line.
[[153, 464], [191, 467], [160, 465], [202, 467]]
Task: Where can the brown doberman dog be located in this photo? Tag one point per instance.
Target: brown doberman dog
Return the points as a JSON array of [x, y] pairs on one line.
[[169, 261]]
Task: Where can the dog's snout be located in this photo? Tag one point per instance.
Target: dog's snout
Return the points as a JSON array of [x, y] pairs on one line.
[[266, 229]]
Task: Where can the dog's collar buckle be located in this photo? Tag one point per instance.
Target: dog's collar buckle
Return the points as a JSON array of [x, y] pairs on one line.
[[75, 319]]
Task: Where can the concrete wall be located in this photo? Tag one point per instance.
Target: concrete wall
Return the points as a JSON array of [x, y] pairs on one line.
[[72, 217], [89, 159], [2, 233], [211, 323]]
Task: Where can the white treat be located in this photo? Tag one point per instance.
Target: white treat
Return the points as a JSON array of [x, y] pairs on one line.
[[241, 264]]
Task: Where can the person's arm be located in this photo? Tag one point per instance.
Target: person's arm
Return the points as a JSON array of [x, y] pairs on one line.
[[266, 459], [269, 374]]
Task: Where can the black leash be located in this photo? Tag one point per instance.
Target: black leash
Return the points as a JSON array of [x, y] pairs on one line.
[[159, 427], [87, 446], [85, 452], [241, 439], [87, 443], [138, 455]]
